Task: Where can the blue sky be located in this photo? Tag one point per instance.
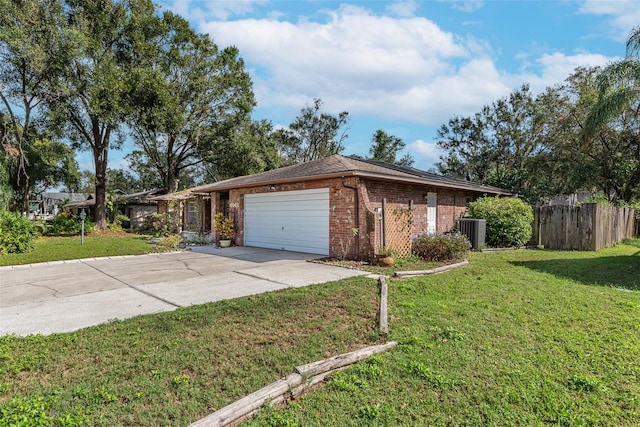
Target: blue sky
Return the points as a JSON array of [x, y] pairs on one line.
[[406, 67]]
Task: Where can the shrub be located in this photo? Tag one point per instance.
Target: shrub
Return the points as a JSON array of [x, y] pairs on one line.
[[159, 225], [224, 226], [441, 247], [170, 242], [508, 220], [40, 226], [16, 233], [119, 222], [67, 223], [64, 223]]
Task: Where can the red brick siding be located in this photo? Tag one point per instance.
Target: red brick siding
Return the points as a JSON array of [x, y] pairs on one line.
[[451, 203]]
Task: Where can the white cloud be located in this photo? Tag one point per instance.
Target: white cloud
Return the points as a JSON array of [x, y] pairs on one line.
[[402, 68], [358, 62], [202, 10], [467, 5], [624, 15], [425, 154], [402, 8], [555, 68]]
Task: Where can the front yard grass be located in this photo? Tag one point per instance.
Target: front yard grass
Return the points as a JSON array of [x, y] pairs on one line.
[[56, 248], [525, 337], [528, 337]]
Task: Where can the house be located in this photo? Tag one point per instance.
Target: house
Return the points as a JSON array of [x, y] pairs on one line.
[[137, 206], [336, 206], [47, 205]]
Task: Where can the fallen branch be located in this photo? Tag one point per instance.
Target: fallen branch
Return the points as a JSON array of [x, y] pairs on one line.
[[332, 363], [292, 385], [432, 271], [384, 320]]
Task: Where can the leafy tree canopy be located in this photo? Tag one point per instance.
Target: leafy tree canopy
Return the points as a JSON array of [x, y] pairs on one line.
[[387, 147], [313, 135]]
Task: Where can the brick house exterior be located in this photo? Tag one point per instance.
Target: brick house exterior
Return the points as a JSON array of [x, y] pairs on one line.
[[357, 189]]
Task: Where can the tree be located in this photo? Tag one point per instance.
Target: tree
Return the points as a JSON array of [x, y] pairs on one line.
[[497, 145], [49, 163], [34, 46], [313, 135], [121, 181], [386, 148], [250, 148], [93, 97], [198, 95], [612, 127]]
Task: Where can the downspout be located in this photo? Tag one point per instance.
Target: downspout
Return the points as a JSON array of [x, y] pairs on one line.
[[356, 197]]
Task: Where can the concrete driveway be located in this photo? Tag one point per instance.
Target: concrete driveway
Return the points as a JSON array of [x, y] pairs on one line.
[[65, 296]]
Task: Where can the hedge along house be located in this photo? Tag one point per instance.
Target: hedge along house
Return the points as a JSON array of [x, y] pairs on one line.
[[337, 206]]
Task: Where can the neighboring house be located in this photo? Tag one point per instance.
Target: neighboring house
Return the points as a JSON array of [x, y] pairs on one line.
[[570, 199], [331, 206], [47, 205], [136, 206], [88, 205]]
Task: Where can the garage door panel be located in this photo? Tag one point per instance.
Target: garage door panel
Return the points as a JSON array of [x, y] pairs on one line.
[[289, 220]]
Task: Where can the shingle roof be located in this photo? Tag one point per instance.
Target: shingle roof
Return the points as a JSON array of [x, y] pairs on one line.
[[337, 165]]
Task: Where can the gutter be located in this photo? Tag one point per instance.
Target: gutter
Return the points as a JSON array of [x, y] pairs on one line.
[[356, 197]]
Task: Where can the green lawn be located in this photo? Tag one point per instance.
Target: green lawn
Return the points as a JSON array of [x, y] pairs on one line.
[[516, 338], [95, 245], [526, 337]]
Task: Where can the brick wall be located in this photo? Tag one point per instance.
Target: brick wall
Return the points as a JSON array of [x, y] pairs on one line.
[[451, 203]]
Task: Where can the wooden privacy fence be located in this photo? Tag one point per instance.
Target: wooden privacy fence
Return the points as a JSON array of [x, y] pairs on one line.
[[588, 227]]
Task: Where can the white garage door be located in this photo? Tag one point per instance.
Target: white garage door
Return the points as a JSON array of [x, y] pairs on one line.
[[289, 220]]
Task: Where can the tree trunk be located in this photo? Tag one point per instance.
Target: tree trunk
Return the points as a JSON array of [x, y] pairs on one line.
[[170, 183], [100, 211], [100, 156]]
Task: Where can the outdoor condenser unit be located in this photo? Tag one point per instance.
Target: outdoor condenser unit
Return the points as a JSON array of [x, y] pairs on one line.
[[475, 230]]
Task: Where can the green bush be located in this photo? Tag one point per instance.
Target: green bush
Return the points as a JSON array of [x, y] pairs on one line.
[[508, 220], [441, 247], [16, 233], [118, 223], [67, 223], [159, 225]]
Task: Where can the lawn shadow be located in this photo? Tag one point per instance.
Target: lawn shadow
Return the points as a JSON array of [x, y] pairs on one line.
[[615, 271]]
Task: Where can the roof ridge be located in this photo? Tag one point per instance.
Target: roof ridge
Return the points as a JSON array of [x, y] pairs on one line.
[[345, 161]]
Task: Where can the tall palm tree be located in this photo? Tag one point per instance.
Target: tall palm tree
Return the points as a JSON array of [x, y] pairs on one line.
[[613, 123], [619, 88]]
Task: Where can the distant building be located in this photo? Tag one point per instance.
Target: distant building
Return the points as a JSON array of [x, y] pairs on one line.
[[49, 204], [570, 199], [136, 206]]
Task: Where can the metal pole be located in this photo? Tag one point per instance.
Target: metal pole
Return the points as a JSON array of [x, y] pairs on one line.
[[83, 215]]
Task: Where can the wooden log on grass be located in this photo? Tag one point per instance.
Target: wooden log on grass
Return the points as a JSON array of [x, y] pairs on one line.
[[432, 271], [249, 404], [384, 320], [315, 368]]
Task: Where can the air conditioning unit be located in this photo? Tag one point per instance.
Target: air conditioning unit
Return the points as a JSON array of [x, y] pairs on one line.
[[475, 230]]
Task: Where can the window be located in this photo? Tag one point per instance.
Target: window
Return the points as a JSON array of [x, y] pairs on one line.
[[192, 213]]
